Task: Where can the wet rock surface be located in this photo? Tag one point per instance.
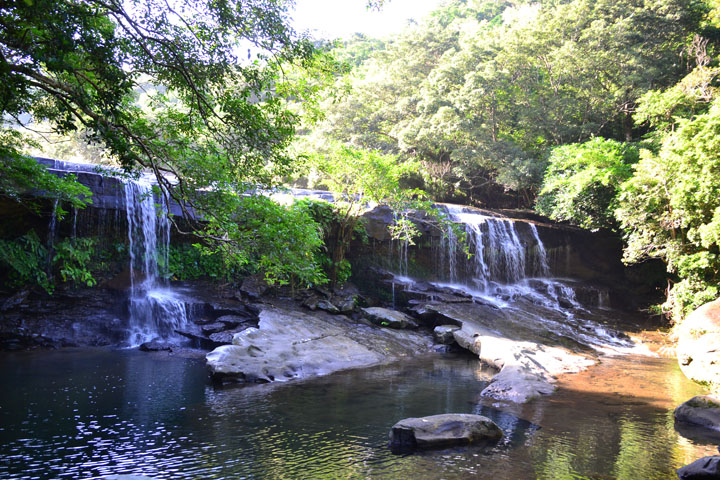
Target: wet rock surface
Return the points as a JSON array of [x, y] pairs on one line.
[[701, 412], [290, 344], [707, 468], [444, 334], [698, 347], [65, 319], [99, 317], [444, 430], [384, 317], [529, 346]]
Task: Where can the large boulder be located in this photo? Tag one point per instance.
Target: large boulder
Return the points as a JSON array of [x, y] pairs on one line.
[[701, 411], [707, 468], [698, 347], [438, 431], [289, 344]]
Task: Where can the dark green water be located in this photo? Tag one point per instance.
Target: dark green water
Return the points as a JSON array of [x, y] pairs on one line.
[[90, 414]]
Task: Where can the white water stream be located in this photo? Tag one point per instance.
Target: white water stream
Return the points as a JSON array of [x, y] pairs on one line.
[[155, 310], [508, 267]]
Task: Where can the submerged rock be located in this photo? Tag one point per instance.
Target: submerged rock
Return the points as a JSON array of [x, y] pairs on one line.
[[698, 345], [289, 344], [384, 317], [701, 411], [443, 430], [156, 346], [707, 468]]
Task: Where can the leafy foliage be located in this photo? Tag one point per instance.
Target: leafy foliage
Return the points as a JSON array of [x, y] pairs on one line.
[[209, 124], [73, 257], [359, 179], [31, 263], [582, 180], [479, 92], [26, 259], [191, 262], [22, 176], [670, 209], [280, 242]]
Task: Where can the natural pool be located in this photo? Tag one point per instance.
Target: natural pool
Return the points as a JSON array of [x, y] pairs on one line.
[[91, 413]]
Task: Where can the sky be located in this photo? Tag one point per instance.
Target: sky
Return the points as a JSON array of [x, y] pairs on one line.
[[341, 18]]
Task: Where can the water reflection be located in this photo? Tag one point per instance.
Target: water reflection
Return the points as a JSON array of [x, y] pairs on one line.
[[94, 413]]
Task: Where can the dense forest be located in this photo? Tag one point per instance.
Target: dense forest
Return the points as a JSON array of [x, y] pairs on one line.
[[599, 113]]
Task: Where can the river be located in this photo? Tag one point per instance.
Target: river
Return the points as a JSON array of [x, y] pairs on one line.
[[93, 413]]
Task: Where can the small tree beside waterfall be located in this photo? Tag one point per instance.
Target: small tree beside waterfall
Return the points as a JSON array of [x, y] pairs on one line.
[[359, 179]]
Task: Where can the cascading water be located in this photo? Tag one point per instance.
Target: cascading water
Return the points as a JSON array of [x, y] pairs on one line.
[[508, 267], [155, 310], [498, 256]]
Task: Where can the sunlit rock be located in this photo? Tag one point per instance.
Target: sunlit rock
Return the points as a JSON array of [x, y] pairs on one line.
[[289, 344], [444, 334], [519, 344], [698, 347]]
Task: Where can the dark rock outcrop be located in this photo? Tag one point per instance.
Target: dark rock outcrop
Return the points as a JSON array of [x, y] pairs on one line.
[[445, 430], [444, 334], [92, 317], [702, 411], [707, 468]]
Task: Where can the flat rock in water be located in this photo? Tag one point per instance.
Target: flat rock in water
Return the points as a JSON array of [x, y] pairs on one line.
[[290, 344], [384, 317], [707, 468], [701, 411], [438, 431]]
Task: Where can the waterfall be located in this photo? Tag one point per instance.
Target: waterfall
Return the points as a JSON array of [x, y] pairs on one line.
[[497, 253], [541, 267], [155, 310], [52, 231]]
